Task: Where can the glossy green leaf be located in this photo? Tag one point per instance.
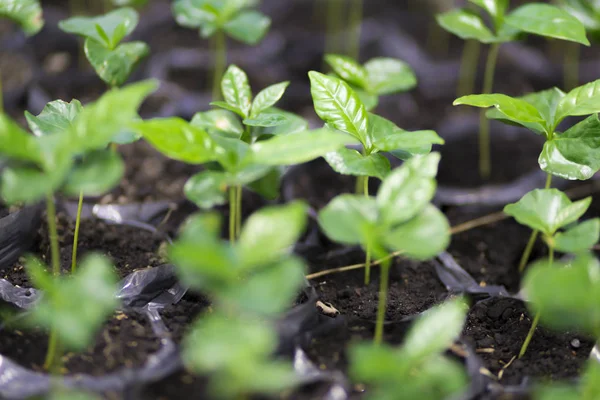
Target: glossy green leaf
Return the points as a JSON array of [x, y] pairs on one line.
[[194, 13], [547, 210], [348, 69], [99, 172], [268, 186], [265, 120], [338, 105], [29, 185], [177, 139], [422, 237], [17, 143], [515, 109], [108, 29], [230, 153], [27, 13], [547, 20], [115, 66], [574, 153], [56, 117], [228, 107], [347, 217], [248, 26], [298, 147], [579, 238], [495, 8], [389, 76], [267, 98], [582, 100], [249, 173], [76, 322], [207, 189], [236, 90], [388, 137], [407, 190], [351, 162], [293, 124], [270, 232], [466, 25], [220, 122], [371, 101]]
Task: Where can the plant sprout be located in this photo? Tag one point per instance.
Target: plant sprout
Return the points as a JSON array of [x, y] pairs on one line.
[[547, 211], [247, 153], [250, 283], [418, 369], [377, 77], [216, 18], [112, 60], [400, 218], [341, 109], [534, 18]]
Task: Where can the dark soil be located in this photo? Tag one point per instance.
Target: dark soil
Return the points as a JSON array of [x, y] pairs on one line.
[[179, 317], [125, 341], [497, 329]]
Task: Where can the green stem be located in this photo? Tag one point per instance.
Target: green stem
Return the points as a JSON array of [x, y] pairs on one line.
[[334, 15], [368, 251], [52, 356], [571, 66], [52, 361], [1, 95], [232, 212], [76, 234], [381, 306], [468, 68], [355, 24], [529, 335], [220, 54], [485, 164], [238, 211]]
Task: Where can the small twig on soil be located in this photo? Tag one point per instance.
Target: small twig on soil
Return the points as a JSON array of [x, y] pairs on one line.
[[350, 267], [477, 222], [486, 350], [501, 373]]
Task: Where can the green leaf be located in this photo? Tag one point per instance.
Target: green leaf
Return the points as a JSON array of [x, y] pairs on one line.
[[267, 98], [466, 25], [222, 122], [29, 185], [56, 117], [17, 143], [27, 13], [574, 153], [351, 162], [582, 100], [434, 331], [347, 218], [407, 190], [293, 124], [177, 139], [207, 189], [115, 66], [547, 210], [515, 109], [228, 107], [338, 105], [495, 8], [348, 69], [549, 21], [108, 29], [271, 232], [248, 26], [230, 153], [422, 237], [369, 100], [389, 76], [298, 147], [99, 172], [268, 186], [76, 322], [265, 120], [388, 137], [194, 13], [236, 90], [579, 238]]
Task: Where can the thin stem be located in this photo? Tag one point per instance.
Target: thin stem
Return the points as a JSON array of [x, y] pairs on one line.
[[485, 164], [334, 12], [468, 68], [52, 232], [76, 234], [220, 55], [355, 25], [548, 181], [232, 212], [368, 252], [52, 361], [571, 66], [382, 304], [238, 211], [529, 335]]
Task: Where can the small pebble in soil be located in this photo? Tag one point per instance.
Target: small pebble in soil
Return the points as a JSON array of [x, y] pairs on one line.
[[575, 343]]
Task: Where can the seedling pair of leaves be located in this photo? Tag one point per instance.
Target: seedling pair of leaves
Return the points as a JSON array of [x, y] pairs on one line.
[[249, 283], [399, 219], [112, 60], [341, 109], [572, 154], [26, 13], [377, 77], [418, 369]]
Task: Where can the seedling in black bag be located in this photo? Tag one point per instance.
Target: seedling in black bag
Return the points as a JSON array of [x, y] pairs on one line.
[[400, 219], [215, 18], [418, 369], [547, 211], [243, 144], [249, 284], [533, 18]]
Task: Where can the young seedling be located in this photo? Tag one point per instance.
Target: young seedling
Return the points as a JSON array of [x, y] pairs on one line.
[[216, 18], [377, 77], [112, 60], [533, 18], [570, 155], [249, 283], [400, 218], [246, 149], [72, 308], [547, 211], [341, 108], [418, 369]]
